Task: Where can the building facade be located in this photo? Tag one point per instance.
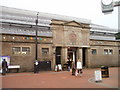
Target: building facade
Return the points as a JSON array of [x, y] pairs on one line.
[[59, 38]]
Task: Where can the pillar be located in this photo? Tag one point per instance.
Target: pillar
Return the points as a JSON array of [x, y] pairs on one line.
[[73, 55], [88, 57], [64, 55], [79, 54], [53, 60]]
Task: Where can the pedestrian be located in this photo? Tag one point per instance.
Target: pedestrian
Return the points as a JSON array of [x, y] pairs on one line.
[[79, 68], [73, 68], [4, 67], [68, 64], [36, 66]]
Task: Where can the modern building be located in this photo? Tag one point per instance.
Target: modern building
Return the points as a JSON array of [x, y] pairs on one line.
[[59, 38]]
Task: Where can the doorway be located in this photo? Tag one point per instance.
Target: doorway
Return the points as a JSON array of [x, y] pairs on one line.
[[58, 55], [72, 55]]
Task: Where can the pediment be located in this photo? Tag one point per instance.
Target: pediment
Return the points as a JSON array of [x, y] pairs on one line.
[[73, 23]]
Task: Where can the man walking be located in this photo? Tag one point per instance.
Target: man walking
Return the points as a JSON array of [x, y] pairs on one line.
[[4, 67]]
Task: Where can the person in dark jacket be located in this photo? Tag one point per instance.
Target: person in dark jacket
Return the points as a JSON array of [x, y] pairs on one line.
[[73, 68], [4, 67], [36, 66], [68, 64]]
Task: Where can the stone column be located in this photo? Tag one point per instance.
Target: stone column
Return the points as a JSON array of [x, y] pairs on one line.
[[79, 54], [53, 60], [73, 55], [64, 55], [88, 57]]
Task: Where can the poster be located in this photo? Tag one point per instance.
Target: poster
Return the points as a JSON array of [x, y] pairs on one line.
[[98, 76], [7, 58]]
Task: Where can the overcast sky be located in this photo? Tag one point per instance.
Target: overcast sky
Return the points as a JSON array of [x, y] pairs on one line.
[[88, 9]]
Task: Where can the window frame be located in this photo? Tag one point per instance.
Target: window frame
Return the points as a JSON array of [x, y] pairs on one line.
[[109, 51], [45, 53], [26, 53], [93, 52], [21, 49], [13, 53]]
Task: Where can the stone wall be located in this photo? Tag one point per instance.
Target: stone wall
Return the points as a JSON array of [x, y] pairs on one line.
[[26, 62], [100, 58]]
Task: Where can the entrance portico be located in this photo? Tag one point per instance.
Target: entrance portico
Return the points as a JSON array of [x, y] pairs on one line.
[[73, 53], [68, 40]]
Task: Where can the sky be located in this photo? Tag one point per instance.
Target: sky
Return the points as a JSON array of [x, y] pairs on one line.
[[88, 9]]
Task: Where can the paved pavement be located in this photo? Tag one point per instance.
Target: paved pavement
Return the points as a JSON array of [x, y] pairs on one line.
[[62, 79]]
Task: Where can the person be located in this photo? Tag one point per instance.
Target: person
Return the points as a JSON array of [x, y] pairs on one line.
[[79, 68], [73, 68], [4, 67], [36, 66], [68, 64]]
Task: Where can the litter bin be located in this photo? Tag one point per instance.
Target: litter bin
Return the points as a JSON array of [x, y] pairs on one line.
[[105, 71]]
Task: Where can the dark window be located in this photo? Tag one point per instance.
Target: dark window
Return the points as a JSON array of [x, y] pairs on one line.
[[105, 51], [94, 51], [110, 51]]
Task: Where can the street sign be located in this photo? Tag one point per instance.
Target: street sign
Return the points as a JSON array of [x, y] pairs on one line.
[[98, 77]]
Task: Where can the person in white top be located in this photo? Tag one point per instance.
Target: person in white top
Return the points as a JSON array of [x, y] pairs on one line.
[[79, 68]]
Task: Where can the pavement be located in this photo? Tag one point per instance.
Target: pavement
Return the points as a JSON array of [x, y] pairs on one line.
[[61, 79]]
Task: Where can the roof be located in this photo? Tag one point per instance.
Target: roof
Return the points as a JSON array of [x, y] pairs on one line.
[[28, 17]]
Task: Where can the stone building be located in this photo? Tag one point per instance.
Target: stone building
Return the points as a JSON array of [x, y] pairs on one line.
[[59, 37]]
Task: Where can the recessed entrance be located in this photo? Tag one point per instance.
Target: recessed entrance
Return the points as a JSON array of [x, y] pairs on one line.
[[58, 55], [72, 54]]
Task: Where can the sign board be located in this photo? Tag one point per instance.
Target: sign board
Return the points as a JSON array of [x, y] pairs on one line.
[[7, 58], [79, 65], [98, 76]]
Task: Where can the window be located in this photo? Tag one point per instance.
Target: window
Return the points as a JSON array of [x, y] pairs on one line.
[[16, 50], [25, 50], [21, 50], [108, 51], [105, 51], [94, 51], [45, 51]]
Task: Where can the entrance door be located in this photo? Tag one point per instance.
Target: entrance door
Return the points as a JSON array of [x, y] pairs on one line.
[[58, 55]]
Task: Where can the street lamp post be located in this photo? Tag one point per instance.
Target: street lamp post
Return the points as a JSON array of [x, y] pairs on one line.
[[36, 46], [36, 42]]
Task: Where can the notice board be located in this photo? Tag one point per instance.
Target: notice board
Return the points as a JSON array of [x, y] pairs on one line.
[[7, 58]]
